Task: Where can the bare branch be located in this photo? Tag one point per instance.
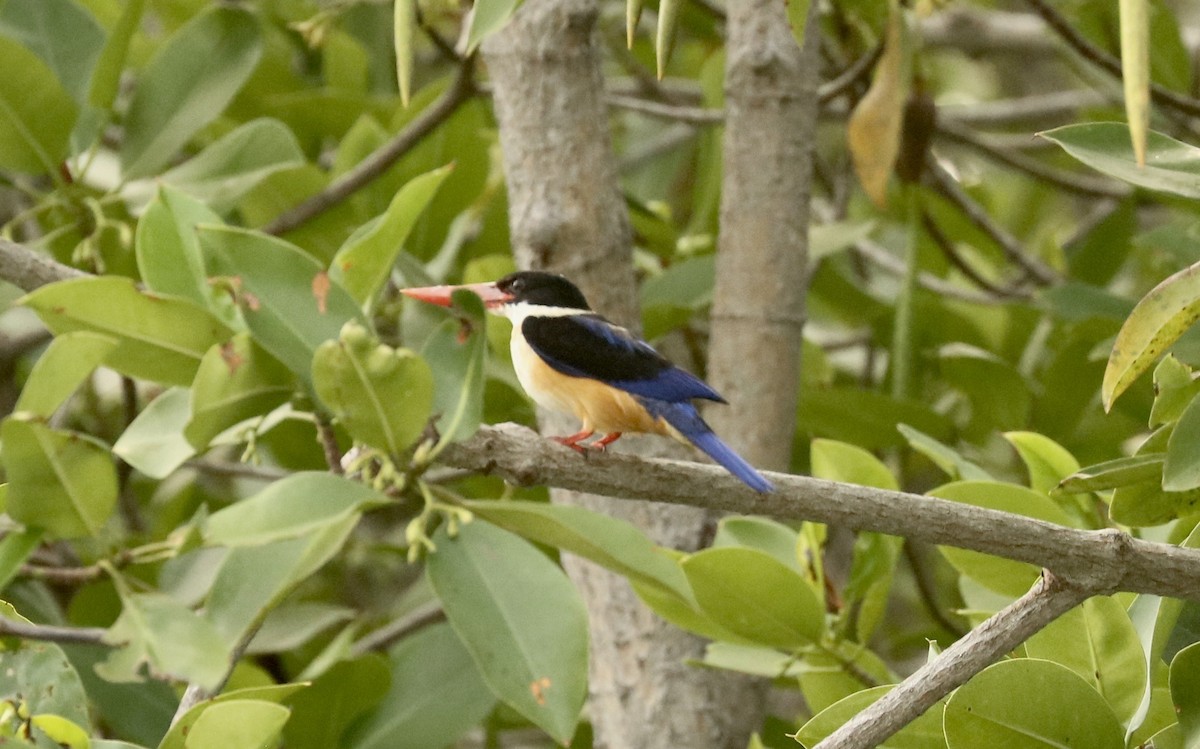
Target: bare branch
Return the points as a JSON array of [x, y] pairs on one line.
[[1049, 599], [383, 637], [1102, 561], [51, 633], [1107, 62], [1052, 107], [381, 158], [28, 269]]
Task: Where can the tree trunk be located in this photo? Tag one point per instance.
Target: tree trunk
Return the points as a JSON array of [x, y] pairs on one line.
[[566, 214]]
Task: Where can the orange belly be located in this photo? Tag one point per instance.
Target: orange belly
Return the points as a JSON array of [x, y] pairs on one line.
[[598, 406]]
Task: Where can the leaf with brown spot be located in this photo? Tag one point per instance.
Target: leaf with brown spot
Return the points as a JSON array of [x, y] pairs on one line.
[[873, 132], [1158, 320], [320, 289]]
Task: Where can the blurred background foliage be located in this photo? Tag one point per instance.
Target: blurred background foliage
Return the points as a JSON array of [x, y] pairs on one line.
[[167, 444]]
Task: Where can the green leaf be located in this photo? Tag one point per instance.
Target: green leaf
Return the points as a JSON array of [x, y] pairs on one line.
[[294, 506], [170, 640], [36, 113], [1047, 462], [237, 380], [681, 609], [61, 481], [1175, 385], [187, 84], [106, 80], [295, 623], [15, 549], [633, 13], [1181, 469], [1112, 474], [839, 461], [159, 338], [1171, 166], [404, 24], [40, 673], [238, 724], [609, 542], [1098, 641], [322, 712], [254, 579], [67, 362], [1158, 320], [827, 677], [999, 396], [381, 395], [1185, 693], [1004, 576], [521, 619], [488, 17], [870, 585], [154, 442], [436, 695], [235, 164], [923, 733], [763, 534], [456, 352], [365, 261], [864, 417], [995, 710], [61, 33], [181, 729], [61, 731], [168, 251], [287, 298], [943, 456], [754, 595]]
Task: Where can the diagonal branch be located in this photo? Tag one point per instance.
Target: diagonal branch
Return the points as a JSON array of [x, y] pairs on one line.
[[1049, 599], [379, 160], [1102, 562]]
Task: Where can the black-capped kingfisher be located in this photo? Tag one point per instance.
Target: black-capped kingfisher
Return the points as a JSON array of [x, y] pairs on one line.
[[571, 360]]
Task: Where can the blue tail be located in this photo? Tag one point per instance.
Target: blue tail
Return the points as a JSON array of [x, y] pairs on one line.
[[686, 420]]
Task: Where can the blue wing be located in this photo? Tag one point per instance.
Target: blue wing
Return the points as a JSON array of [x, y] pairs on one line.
[[590, 346]]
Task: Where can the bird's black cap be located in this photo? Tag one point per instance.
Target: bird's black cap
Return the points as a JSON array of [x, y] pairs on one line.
[[545, 289]]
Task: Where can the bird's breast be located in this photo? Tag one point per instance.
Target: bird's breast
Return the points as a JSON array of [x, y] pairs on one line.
[[596, 404]]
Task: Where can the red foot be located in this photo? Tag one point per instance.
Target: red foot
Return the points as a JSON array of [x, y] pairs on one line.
[[574, 440], [605, 441]]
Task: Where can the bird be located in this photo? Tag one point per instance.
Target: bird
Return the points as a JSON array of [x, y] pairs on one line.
[[571, 360]]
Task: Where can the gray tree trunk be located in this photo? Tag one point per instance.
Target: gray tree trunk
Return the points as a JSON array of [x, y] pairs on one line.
[[566, 214]]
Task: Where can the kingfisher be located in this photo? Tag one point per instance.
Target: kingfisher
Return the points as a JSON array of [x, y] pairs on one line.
[[571, 360]]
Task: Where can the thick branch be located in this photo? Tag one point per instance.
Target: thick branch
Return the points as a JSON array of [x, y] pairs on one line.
[[1049, 599], [1101, 561], [27, 269], [381, 158]]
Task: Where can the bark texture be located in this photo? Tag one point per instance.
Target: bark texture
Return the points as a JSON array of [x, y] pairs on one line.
[[566, 214]]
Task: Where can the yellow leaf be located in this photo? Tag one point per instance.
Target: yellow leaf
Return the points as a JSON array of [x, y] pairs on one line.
[[873, 132], [1135, 72]]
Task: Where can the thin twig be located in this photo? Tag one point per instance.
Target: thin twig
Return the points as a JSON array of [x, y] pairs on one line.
[[237, 470], [52, 633], [958, 261], [1109, 63], [855, 72], [383, 637], [1010, 245], [1038, 108], [381, 158], [328, 439], [678, 113], [1050, 598], [1081, 184]]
